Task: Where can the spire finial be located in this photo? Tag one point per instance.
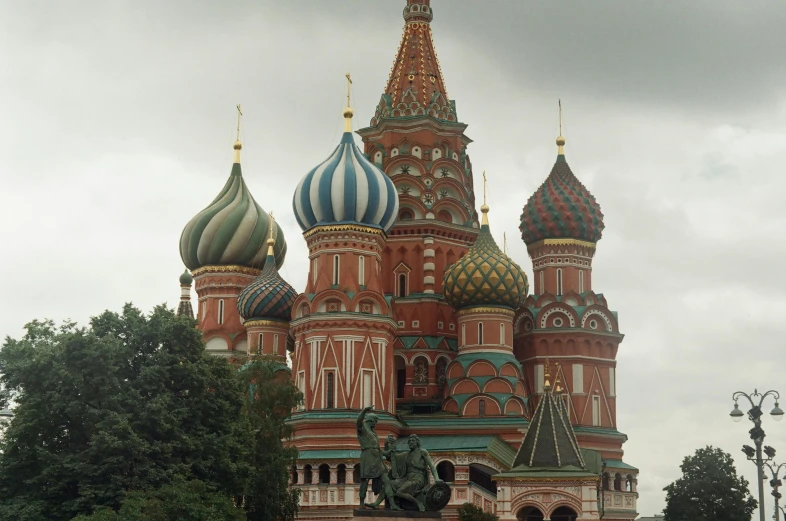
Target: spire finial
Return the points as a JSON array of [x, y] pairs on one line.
[[505, 243], [546, 375], [348, 112], [557, 386], [271, 241], [484, 209], [560, 139], [238, 144]]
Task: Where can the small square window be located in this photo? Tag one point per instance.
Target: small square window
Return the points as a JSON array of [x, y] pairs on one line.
[[440, 325], [452, 327], [401, 323], [416, 323]]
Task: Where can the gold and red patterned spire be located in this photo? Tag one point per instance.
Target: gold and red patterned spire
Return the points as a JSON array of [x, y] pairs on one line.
[[416, 86]]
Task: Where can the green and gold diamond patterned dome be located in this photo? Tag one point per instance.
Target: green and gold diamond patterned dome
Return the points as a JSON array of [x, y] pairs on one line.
[[485, 276]]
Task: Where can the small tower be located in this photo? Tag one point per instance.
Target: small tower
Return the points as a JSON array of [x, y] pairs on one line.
[[265, 306], [561, 223], [184, 309], [485, 287], [225, 248], [550, 477], [342, 325], [565, 318]]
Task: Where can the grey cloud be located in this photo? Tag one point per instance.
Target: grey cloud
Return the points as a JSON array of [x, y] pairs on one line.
[[118, 119]]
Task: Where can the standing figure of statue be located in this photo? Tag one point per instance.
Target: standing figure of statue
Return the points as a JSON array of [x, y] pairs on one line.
[[372, 466]]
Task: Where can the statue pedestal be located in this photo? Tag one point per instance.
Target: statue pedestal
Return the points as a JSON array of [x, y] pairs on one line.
[[367, 514]]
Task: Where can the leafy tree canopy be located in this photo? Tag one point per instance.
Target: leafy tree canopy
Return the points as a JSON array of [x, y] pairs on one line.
[[271, 398], [130, 403], [181, 501], [709, 490], [470, 512]]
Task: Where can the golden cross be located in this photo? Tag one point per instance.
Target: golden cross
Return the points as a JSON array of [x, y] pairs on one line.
[[484, 187], [560, 116], [505, 243], [349, 85], [239, 113]]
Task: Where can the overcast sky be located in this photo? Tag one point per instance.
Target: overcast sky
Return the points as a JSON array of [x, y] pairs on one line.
[[117, 119]]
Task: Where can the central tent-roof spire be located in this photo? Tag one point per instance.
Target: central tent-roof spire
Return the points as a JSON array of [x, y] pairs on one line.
[[416, 75]]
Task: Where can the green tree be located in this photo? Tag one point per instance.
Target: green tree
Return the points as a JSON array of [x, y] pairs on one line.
[[709, 490], [181, 501], [271, 397], [469, 512], [130, 403]]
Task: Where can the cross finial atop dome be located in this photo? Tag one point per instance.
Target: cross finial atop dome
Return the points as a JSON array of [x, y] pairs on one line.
[[560, 138], [348, 112], [238, 145]]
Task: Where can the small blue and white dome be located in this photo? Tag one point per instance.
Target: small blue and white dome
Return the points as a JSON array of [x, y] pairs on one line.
[[347, 188]]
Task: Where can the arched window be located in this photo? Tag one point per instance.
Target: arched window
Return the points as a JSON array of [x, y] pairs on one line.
[[617, 482], [446, 471], [540, 279], [463, 334], [259, 344], [406, 215], [362, 270], [275, 344], [307, 475], [502, 334], [329, 391], [481, 407], [341, 474], [336, 262], [402, 284], [559, 282], [581, 281], [480, 333], [221, 311], [324, 474], [314, 266], [606, 481], [445, 216], [629, 483], [295, 476]]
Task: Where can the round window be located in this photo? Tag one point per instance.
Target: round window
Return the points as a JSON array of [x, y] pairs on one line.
[[557, 322], [593, 324]]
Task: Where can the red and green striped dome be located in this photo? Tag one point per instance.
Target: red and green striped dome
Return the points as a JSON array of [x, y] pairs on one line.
[[562, 208]]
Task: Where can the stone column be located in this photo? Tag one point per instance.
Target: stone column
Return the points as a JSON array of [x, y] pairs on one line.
[[428, 265]]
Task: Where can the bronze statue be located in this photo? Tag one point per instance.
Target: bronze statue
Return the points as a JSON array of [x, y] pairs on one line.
[[406, 485], [372, 466]]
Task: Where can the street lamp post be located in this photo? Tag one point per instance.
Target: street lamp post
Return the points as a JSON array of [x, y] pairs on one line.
[[776, 484], [757, 433]]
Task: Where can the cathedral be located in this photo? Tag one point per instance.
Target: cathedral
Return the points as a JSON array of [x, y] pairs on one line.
[[413, 309]]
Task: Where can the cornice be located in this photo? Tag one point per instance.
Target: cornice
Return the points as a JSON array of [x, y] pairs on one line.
[[561, 242], [334, 320], [486, 309], [232, 269], [280, 324], [342, 228]]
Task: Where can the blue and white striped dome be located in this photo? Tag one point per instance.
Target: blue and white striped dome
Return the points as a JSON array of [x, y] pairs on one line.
[[346, 189]]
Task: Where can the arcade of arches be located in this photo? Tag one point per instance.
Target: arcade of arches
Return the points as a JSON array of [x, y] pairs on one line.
[[560, 514]]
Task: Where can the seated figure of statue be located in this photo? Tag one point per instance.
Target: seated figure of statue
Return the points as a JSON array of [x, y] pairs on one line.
[[409, 473]]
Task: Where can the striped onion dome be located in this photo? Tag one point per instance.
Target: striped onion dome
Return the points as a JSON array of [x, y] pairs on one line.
[[268, 296], [485, 276], [346, 188], [232, 230], [562, 208]]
